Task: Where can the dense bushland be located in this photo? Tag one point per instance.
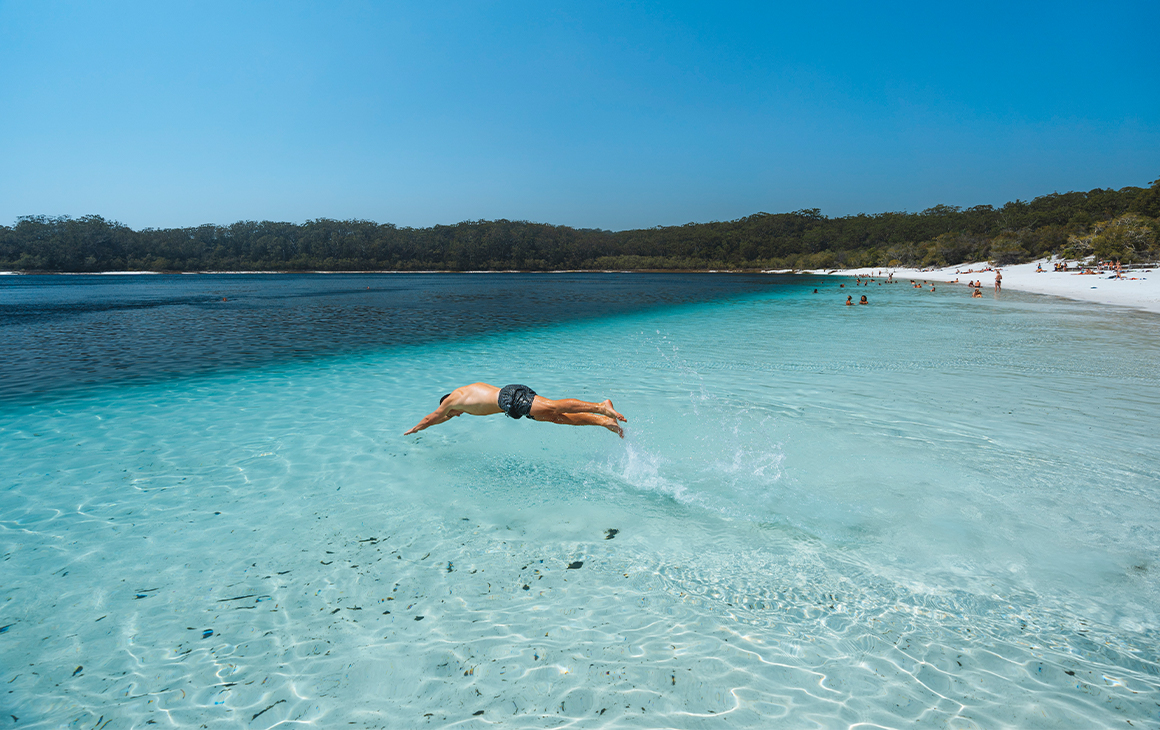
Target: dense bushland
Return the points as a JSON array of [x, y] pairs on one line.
[[1112, 224]]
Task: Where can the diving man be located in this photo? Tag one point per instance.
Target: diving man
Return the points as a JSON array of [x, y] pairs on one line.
[[520, 401]]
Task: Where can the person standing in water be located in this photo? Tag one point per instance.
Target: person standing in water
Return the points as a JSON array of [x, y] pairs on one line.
[[520, 401]]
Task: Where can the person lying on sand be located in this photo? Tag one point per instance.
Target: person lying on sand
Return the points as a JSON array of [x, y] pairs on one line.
[[520, 401]]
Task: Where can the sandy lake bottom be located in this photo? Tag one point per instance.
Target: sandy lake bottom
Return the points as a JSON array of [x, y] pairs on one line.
[[927, 512]]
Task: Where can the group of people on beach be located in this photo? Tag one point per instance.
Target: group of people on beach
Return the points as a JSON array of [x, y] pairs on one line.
[[1115, 268], [975, 286]]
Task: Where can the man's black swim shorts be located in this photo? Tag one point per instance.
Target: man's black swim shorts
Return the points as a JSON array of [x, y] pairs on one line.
[[516, 400]]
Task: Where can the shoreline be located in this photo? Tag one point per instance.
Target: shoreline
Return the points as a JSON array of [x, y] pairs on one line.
[[1138, 289]]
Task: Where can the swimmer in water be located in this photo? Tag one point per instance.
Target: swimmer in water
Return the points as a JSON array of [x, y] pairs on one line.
[[520, 401], [863, 300]]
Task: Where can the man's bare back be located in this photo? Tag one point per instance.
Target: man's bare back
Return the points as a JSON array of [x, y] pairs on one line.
[[481, 399]]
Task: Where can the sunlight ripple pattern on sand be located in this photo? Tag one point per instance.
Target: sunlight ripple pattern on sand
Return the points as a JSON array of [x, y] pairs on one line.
[[928, 516]]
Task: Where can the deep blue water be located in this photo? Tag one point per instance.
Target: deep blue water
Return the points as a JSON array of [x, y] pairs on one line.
[[67, 331]]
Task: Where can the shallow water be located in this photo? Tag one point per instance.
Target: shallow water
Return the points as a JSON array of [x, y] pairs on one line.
[[928, 512]]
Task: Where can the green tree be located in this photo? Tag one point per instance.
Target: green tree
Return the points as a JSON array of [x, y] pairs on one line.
[[1121, 239], [1007, 248], [1147, 203]]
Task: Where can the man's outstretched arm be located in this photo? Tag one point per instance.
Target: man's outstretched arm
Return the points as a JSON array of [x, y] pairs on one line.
[[434, 418]]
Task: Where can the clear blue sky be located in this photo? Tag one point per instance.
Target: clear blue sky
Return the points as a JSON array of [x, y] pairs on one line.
[[589, 114]]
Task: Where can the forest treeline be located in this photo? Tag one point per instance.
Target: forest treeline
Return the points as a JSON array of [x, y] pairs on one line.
[[1119, 224]]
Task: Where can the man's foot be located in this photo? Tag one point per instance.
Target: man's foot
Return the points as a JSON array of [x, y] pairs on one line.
[[614, 427], [611, 412]]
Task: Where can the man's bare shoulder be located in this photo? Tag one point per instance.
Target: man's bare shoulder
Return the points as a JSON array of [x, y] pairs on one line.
[[476, 392], [477, 398]]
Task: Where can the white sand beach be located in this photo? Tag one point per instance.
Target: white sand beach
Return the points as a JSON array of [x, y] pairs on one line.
[[1138, 288]]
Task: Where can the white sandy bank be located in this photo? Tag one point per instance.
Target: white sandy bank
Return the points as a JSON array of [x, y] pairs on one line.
[[1139, 288]]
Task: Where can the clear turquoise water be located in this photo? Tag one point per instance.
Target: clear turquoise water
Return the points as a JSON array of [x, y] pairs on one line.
[[929, 512]]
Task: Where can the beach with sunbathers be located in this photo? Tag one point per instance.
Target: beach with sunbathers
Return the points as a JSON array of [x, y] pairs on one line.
[[1137, 287]]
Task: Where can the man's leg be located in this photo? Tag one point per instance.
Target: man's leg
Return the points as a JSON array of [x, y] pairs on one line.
[[545, 409], [586, 419]]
